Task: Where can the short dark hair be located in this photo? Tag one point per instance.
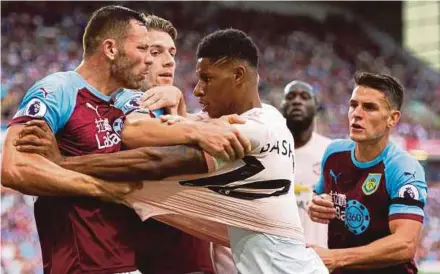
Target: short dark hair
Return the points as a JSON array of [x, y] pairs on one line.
[[390, 86], [161, 24], [108, 21], [229, 43]]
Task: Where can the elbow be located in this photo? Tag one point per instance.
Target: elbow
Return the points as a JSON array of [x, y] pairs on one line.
[[410, 250], [11, 176]]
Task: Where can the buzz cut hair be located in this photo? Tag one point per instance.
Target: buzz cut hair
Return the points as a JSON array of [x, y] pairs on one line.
[[229, 43], [108, 22], [388, 85]]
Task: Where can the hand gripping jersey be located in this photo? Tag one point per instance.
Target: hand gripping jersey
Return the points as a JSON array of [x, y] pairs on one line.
[[307, 171], [254, 193], [81, 234], [367, 195]]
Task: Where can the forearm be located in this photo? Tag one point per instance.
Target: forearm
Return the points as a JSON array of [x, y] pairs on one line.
[[390, 250], [140, 164], [141, 132], [35, 175]]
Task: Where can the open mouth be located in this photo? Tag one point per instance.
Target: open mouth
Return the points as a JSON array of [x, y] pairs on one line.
[[356, 126], [166, 74]]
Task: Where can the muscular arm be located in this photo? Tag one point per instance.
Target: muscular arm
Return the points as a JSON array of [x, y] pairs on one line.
[[399, 247], [141, 163], [140, 130], [33, 174]]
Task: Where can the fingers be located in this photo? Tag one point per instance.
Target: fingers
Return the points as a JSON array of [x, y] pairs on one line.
[[30, 140], [244, 142], [234, 119], [321, 210], [39, 123], [237, 148], [150, 101], [231, 152], [31, 149], [33, 130]]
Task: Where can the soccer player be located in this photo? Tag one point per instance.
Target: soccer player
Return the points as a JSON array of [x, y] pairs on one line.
[[377, 190], [299, 107], [253, 197], [86, 109], [169, 250]]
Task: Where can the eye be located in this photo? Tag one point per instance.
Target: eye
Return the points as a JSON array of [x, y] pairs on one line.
[[173, 54], [155, 53], [143, 48], [353, 104]]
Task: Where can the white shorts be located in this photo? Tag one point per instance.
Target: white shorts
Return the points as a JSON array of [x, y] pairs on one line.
[[256, 253]]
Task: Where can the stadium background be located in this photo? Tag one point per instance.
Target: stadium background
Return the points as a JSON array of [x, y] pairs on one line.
[[320, 42]]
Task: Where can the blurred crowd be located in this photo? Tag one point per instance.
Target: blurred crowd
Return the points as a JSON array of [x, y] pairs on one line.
[[40, 40]]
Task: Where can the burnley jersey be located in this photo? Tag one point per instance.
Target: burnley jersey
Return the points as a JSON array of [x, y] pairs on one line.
[[367, 195], [82, 234]]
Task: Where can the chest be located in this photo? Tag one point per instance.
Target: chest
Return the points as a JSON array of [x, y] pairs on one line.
[[94, 127]]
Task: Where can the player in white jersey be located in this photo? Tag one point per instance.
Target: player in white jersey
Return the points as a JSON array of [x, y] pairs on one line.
[[253, 197], [299, 107]]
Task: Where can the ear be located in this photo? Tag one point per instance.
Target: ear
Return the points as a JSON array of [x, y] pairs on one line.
[[110, 50], [240, 73], [394, 118]]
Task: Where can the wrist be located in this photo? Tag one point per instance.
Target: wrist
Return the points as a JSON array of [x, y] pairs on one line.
[[340, 257]]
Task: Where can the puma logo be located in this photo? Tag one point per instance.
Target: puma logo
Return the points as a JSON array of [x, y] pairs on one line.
[[94, 108], [335, 177]]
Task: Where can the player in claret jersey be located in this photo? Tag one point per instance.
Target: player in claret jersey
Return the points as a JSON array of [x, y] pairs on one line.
[[374, 191], [86, 110], [252, 197]]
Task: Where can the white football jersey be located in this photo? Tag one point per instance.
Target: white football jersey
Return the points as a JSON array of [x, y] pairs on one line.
[[254, 193], [307, 171]]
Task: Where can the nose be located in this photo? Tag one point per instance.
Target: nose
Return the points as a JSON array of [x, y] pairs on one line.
[[169, 60], [356, 113], [198, 90], [148, 58]]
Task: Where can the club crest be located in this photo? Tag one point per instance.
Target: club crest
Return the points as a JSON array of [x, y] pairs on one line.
[[371, 184]]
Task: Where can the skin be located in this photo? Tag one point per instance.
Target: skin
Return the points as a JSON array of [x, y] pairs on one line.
[[33, 174], [216, 81], [299, 108], [163, 51], [371, 117]]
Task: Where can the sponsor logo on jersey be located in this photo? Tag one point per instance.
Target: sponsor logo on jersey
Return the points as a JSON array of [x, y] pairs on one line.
[[409, 192], [371, 183], [35, 108], [357, 217]]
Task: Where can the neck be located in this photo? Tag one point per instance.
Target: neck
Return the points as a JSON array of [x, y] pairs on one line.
[[97, 73], [302, 137], [250, 99], [365, 152]]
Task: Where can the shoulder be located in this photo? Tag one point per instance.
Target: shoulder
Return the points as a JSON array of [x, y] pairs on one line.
[[336, 146], [128, 100], [399, 163]]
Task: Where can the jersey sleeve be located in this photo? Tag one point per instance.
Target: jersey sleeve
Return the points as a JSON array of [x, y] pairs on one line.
[[128, 102], [334, 146], [47, 99], [407, 188]]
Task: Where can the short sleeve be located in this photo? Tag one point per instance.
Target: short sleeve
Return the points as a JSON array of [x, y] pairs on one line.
[[256, 132], [334, 146], [47, 99], [407, 188]]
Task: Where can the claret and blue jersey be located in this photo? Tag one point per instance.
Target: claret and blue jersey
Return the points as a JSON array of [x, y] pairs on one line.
[[81, 234], [367, 195]]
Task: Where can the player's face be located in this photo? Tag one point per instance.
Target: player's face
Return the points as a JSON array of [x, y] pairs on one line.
[[370, 115], [299, 108], [131, 63], [162, 51], [214, 88]]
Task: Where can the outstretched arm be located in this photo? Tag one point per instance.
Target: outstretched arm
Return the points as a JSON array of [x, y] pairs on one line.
[[137, 164], [140, 164], [33, 174]]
